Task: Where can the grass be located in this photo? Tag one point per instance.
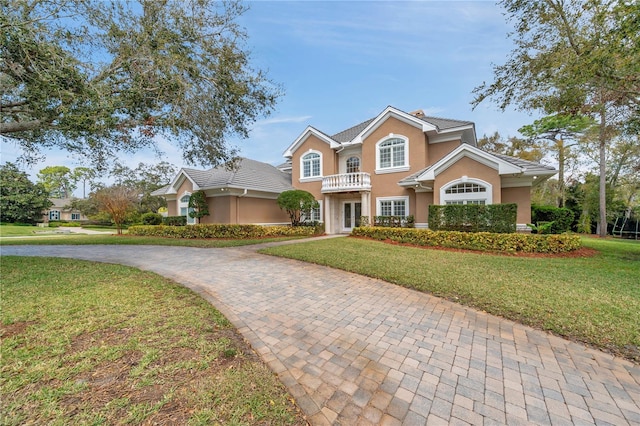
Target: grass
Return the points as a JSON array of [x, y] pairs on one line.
[[595, 300], [12, 230], [82, 239], [85, 343]]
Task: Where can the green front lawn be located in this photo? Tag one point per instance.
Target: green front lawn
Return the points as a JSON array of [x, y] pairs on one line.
[[89, 343], [82, 239], [595, 300]]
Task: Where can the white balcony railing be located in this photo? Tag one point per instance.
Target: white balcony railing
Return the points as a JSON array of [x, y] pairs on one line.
[[347, 182]]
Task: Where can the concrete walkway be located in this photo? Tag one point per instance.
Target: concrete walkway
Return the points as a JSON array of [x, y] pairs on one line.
[[354, 350]]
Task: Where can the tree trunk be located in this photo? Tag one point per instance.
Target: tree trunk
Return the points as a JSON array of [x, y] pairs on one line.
[[561, 161], [602, 143]]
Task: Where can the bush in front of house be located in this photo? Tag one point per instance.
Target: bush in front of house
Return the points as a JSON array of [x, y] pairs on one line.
[[174, 220], [551, 220], [481, 241], [394, 221], [151, 218], [223, 231], [499, 218]]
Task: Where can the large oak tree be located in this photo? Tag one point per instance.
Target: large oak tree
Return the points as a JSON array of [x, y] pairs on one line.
[[98, 77], [573, 56]]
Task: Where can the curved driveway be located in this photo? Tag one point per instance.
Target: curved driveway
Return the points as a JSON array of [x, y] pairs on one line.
[[355, 350]]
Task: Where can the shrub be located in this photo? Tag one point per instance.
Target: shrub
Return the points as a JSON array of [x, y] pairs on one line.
[[174, 220], [151, 218], [223, 231], [560, 218], [499, 218], [482, 241]]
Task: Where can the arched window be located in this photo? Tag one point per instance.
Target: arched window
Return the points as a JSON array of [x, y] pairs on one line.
[[392, 153], [185, 210], [466, 191], [311, 165], [353, 165]]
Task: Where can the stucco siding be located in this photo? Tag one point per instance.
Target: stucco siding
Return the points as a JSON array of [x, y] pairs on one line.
[[520, 196], [423, 201], [437, 151], [260, 210], [472, 169]]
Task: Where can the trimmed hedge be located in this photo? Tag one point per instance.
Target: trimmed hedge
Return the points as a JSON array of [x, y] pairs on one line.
[[482, 241], [394, 221], [151, 218], [559, 218], [174, 220], [222, 231], [473, 217]]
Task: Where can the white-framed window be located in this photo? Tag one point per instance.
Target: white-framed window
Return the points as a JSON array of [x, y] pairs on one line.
[[353, 165], [311, 165], [315, 214], [184, 209], [392, 206], [54, 214], [466, 191], [392, 154], [75, 216]]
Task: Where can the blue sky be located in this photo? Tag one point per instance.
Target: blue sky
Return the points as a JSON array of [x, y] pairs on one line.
[[341, 63]]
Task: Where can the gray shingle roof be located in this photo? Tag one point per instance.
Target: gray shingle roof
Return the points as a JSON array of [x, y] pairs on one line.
[[532, 167], [440, 123], [247, 174], [350, 133], [445, 123]]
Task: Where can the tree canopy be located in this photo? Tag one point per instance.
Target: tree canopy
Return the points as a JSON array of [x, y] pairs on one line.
[[96, 78], [20, 199], [59, 181], [573, 57], [297, 203], [117, 201]]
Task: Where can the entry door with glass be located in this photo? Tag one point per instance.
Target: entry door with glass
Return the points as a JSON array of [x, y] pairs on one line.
[[351, 212]]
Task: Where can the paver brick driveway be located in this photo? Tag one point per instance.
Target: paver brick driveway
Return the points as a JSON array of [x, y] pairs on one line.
[[355, 350]]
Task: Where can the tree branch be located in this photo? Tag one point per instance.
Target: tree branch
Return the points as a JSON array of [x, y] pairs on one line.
[[22, 126]]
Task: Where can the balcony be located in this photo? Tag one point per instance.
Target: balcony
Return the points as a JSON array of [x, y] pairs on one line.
[[346, 182]]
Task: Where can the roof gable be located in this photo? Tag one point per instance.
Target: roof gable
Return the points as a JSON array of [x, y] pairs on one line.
[[309, 131], [502, 166], [389, 112]]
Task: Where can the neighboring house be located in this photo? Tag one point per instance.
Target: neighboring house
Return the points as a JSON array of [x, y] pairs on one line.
[[399, 163], [244, 194], [395, 164], [61, 210]]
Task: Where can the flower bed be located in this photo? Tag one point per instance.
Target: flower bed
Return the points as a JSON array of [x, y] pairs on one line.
[[222, 231], [481, 241]]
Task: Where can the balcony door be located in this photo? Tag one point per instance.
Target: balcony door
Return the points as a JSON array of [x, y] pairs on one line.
[[351, 213]]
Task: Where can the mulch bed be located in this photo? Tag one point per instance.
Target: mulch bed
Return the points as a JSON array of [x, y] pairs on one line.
[[582, 252]]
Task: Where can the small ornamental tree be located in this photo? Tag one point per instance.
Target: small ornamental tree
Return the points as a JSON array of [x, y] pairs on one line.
[[118, 201], [297, 203], [198, 202]]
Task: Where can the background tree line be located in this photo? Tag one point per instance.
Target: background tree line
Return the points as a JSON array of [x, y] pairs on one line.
[[124, 200]]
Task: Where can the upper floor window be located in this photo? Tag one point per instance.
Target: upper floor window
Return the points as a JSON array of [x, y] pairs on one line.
[[311, 165], [353, 165], [392, 154]]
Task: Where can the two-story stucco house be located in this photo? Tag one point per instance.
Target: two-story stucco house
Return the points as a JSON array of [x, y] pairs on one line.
[[399, 163], [395, 164]]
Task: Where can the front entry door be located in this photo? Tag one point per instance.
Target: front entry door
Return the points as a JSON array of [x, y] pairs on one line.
[[351, 212]]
